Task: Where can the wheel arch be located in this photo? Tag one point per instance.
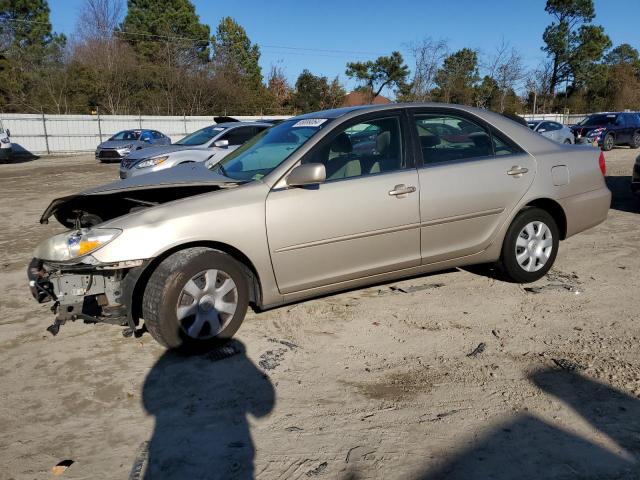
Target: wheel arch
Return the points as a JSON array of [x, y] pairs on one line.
[[555, 210], [255, 291]]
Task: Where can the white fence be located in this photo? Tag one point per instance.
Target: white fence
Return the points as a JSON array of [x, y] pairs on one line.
[[38, 134], [45, 134], [556, 117]]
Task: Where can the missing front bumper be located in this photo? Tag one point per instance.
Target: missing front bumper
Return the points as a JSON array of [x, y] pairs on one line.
[[82, 293]]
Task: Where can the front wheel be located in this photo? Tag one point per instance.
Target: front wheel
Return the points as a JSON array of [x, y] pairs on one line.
[[195, 299], [635, 140], [530, 246]]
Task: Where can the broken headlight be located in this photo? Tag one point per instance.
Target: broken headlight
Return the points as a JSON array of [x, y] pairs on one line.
[[152, 162], [75, 244]]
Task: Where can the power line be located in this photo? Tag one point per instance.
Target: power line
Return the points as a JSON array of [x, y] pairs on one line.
[[310, 51]]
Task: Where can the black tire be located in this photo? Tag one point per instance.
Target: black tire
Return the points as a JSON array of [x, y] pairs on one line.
[[508, 264], [608, 143], [163, 291], [635, 140]]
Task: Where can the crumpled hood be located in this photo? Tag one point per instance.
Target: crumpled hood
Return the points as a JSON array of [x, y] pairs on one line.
[[120, 197], [119, 143], [159, 150]]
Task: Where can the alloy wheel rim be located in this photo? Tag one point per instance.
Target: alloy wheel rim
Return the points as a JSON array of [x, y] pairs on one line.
[[206, 304], [609, 142], [534, 246]]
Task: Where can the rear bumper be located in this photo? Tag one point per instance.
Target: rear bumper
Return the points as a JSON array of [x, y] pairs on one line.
[[5, 153], [586, 210]]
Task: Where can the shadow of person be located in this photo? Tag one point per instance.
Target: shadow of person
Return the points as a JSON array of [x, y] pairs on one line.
[[529, 447], [201, 407], [621, 196]]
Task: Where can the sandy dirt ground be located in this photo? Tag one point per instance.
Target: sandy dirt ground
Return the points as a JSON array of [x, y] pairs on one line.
[[371, 383]]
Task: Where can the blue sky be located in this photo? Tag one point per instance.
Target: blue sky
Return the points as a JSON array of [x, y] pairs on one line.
[[378, 27]]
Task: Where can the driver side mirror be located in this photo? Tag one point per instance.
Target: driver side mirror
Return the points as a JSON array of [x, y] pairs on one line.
[[540, 130], [221, 143], [307, 174]]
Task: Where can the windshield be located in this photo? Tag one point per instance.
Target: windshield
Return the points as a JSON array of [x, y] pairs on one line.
[[264, 152], [201, 136], [126, 135], [609, 119]]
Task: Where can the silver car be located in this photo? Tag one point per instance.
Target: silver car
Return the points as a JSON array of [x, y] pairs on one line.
[[320, 203], [553, 130], [129, 141], [209, 143]]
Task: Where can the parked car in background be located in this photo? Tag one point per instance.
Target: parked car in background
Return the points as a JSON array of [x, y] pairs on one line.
[[299, 212], [127, 141], [553, 130], [635, 178], [213, 142], [5, 143], [610, 129]]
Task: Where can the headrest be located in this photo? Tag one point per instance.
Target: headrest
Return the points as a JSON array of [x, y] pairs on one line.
[[429, 141], [383, 141], [341, 144], [480, 139]]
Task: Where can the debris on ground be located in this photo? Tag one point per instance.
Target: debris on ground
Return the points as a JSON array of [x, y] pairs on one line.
[[559, 281], [292, 346], [139, 462], [318, 470], [416, 288], [270, 359], [61, 467], [294, 429], [553, 286], [567, 365], [496, 333], [478, 350], [223, 352]]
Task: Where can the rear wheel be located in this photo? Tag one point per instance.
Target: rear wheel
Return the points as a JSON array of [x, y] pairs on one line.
[[608, 142], [530, 246], [195, 299], [635, 140]]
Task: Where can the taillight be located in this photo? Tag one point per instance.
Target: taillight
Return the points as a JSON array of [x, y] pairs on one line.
[[603, 164]]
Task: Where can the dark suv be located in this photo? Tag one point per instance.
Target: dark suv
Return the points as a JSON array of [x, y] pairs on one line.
[[610, 129]]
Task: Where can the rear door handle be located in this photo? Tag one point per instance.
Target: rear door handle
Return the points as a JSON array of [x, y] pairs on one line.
[[401, 189], [517, 171]]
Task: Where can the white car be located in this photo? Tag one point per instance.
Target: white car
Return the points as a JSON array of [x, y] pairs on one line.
[[5, 143], [553, 130], [209, 143]]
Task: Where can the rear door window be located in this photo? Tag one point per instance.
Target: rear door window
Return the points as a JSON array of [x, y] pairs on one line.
[[445, 138], [239, 135]]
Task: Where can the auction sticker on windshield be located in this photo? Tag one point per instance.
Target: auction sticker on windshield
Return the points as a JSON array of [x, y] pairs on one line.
[[310, 122]]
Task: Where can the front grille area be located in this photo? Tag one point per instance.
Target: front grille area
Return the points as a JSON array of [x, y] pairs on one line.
[[108, 153]]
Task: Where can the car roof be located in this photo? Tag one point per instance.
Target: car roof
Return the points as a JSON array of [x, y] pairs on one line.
[[241, 124]]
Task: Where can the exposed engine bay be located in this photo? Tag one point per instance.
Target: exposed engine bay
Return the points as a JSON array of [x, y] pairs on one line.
[[80, 211]]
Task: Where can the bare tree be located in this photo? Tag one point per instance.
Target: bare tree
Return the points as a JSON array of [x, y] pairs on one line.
[[98, 19], [428, 55], [538, 83], [505, 71], [279, 87]]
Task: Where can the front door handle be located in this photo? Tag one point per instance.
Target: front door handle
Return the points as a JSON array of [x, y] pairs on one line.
[[517, 171], [401, 190]]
